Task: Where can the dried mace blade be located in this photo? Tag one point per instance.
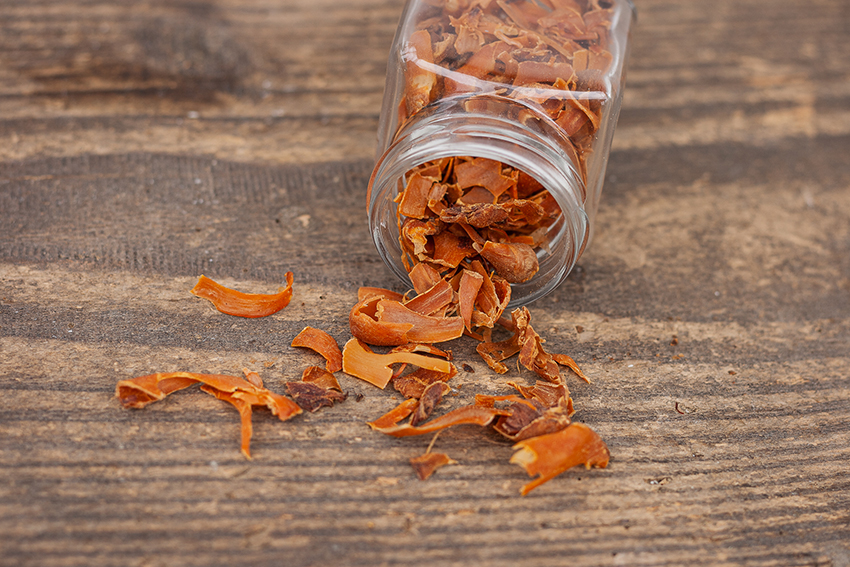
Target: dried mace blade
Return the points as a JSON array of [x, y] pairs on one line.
[[241, 393], [322, 343], [312, 397], [466, 415], [550, 455], [425, 465], [318, 388], [360, 361], [430, 398], [321, 378], [239, 304], [516, 262]]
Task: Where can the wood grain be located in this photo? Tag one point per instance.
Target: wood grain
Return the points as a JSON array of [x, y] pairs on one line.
[[143, 144]]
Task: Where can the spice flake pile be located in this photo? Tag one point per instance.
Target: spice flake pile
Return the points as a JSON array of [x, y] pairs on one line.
[[535, 417]]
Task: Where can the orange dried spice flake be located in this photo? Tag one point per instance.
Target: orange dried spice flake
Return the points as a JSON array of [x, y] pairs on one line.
[[318, 388], [239, 304], [463, 225], [465, 415], [360, 361], [414, 384], [322, 343], [432, 300], [242, 393], [550, 455], [430, 397], [529, 345], [525, 422], [379, 320], [425, 465], [321, 377]]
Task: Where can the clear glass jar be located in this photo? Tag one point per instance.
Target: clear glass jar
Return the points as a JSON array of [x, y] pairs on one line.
[[534, 85]]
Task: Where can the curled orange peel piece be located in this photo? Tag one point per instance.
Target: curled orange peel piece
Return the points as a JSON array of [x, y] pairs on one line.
[[360, 361], [321, 377], [432, 300], [367, 292], [245, 413], [564, 360], [312, 397], [470, 284], [239, 304]]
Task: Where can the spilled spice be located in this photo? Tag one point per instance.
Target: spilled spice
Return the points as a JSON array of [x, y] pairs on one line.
[[535, 417]]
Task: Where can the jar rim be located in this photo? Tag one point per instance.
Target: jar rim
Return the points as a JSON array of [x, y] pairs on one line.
[[449, 131]]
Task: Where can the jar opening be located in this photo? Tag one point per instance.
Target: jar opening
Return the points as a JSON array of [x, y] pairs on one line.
[[461, 187]]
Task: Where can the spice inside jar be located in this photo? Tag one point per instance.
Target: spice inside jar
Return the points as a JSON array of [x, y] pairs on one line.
[[494, 137]]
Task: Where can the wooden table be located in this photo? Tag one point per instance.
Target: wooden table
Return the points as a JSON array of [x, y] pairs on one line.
[[143, 144]]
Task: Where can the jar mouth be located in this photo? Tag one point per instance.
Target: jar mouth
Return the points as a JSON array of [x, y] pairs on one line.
[[447, 129]]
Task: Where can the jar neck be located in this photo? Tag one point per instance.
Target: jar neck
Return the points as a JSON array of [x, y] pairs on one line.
[[496, 128]]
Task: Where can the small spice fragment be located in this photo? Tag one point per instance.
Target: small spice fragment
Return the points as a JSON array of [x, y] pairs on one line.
[[321, 378], [532, 415], [253, 378], [433, 300], [550, 455], [414, 384], [516, 262], [239, 304], [366, 292], [494, 353], [364, 324], [529, 345], [312, 397], [322, 343], [424, 329], [245, 413], [395, 415], [318, 388], [425, 465], [564, 360], [430, 398], [468, 288]]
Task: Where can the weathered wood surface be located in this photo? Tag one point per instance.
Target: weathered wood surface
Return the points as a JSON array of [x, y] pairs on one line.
[[142, 144]]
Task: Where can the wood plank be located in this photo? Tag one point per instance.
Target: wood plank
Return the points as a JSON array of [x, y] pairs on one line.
[[145, 144]]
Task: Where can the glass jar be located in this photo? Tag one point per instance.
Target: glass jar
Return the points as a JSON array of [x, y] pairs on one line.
[[494, 106]]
